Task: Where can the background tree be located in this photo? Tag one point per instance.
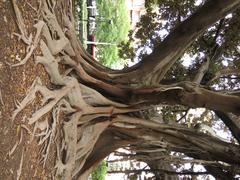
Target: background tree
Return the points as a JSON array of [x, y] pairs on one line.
[[88, 111], [117, 13]]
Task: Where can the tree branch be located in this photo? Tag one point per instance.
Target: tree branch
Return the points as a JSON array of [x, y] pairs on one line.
[[201, 72], [225, 72], [155, 65], [231, 122], [187, 94], [177, 138]]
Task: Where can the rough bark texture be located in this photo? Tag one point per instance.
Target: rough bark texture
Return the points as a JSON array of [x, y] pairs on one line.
[[91, 105]]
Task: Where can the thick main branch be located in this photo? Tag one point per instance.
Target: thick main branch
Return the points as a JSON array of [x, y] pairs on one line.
[[155, 65], [187, 94]]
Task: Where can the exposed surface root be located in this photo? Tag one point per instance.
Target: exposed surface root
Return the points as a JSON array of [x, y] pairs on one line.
[[21, 24], [53, 33], [19, 171], [50, 98], [75, 107], [1, 98], [10, 153], [32, 46], [50, 64], [48, 137], [89, 108], [28, 99]]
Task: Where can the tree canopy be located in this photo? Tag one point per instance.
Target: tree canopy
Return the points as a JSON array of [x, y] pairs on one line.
[[83, 111]]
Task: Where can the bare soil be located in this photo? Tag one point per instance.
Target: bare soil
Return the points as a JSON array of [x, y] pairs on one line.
[[14, 83]]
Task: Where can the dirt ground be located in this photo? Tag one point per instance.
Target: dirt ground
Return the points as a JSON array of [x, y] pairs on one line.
[[14, 83]]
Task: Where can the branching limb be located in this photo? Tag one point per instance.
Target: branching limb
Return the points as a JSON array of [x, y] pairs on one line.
[[232, 122], [225, 72], [199, 146], [207, 129], [91, 66], [139, 171], [201, 72], [109, 88], [175, 44], [187, 94]]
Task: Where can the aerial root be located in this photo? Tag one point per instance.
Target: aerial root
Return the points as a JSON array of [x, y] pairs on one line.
[[43, 126], [33, 8], [53, 97], [51, 4], [59, 164], [94, 98]]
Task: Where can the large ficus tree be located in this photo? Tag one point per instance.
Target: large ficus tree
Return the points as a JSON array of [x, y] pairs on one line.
[[94, 110]]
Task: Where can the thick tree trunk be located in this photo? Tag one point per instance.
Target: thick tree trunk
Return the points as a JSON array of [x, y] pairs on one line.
[[88, 107]]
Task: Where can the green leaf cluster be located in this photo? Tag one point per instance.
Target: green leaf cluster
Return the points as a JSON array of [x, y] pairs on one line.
[[100, 172], [114, 33]]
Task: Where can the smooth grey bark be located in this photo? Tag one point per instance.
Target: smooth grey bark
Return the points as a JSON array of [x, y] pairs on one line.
[[155, 66]]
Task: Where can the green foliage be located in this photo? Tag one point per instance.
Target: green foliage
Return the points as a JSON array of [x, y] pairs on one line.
[[133, 176], [100, 172], [126, 51], [170, 113], [219, 43], [81, 13], [111, 33], [161, 15]]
